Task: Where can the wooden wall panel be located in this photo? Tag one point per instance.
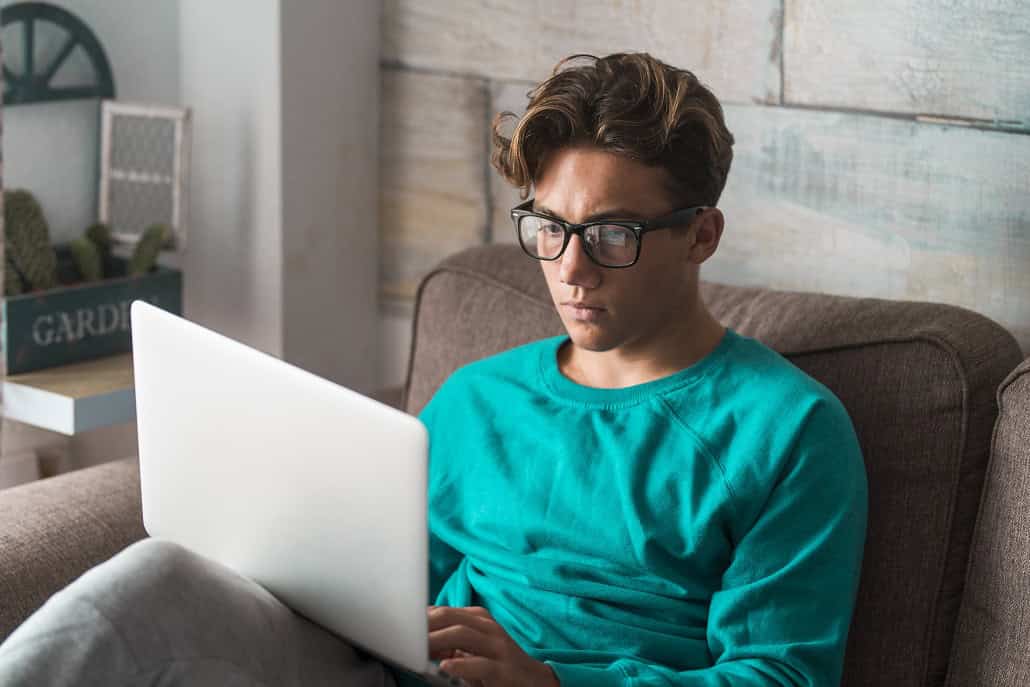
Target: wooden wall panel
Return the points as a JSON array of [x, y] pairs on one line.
[[433, 187], [734, 46], [841, 202], [958, 59], [872, 206]]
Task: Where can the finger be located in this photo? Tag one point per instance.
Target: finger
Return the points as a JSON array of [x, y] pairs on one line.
[[465, 638], [445, 616], [443, 654], [472, 668], [453, 653]]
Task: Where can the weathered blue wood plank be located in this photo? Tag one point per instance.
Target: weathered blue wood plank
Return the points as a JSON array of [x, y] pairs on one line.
[[964, 59], [873, 206]]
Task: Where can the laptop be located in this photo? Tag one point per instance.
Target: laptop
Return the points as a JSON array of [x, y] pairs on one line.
[[312, 490]]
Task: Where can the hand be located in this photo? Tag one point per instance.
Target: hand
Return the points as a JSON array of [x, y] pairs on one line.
[[470, 644]]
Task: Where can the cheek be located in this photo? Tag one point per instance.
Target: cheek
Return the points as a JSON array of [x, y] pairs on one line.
[[550, 270], [644, 292], [632, 292], [663, 268]]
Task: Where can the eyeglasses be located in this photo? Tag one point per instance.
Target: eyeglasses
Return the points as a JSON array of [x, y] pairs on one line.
[[608, 242]]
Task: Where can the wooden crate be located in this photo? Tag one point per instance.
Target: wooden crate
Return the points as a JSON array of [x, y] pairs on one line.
[[76, 322]]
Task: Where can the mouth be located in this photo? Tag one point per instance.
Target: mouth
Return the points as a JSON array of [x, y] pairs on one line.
[[584, 312]]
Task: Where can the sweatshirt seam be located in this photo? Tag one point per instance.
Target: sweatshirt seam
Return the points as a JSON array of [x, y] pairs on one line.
[[703, 448], [558, 395]]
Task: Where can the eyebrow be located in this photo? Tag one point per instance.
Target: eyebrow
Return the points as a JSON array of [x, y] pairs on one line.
[[614, 213]]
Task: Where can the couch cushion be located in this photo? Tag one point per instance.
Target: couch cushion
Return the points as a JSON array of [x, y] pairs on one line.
[[992, 643], [53, 530], [917, 378]]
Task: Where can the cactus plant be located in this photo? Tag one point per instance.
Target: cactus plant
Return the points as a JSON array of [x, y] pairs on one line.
[[87, 258], [100, 235], [12, 280], [92, 251], [31, 263], [144, 257], [27, 241]]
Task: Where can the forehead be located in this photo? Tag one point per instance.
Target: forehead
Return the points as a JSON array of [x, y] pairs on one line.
[[580, 181]]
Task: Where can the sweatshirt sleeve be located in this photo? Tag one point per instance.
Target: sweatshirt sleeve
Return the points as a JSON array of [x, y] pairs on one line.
[[782, 614], [443, 559]]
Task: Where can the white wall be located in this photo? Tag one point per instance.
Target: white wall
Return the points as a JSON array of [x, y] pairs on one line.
[[283, 216], [229, 70], [330, 167], [283, 228], [283, 224], [52, 148]]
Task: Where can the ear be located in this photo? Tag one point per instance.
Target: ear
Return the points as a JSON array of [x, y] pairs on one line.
[[707, 234]]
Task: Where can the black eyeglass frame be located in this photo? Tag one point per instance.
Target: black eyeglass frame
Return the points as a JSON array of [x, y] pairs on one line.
[[639, 227]]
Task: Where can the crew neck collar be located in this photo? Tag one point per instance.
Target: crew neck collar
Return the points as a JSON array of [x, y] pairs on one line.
[[563, 387]]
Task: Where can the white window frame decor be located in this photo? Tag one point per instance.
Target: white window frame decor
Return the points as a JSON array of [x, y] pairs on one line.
[[180, 118]]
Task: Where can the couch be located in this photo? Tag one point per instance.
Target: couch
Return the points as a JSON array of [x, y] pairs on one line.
[[938, 394]]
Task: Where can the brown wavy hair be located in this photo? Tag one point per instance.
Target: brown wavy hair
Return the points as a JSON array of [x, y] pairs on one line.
[[626, 103]]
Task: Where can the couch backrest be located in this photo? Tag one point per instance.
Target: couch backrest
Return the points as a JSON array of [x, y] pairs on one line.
[[992, 642], [918, 380]]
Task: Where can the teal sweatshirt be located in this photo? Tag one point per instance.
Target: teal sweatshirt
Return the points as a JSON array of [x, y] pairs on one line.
[[702, 529]]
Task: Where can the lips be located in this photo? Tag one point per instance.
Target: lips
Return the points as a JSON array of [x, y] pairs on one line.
[[583, 312]]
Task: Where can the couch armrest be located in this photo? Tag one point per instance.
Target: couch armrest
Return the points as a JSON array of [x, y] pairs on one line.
[[53, 530], [391, 396]]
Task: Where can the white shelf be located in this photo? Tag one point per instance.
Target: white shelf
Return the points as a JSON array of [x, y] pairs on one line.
[[73, 398]]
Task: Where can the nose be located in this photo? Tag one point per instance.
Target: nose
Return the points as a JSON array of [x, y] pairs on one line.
[[576, 268]]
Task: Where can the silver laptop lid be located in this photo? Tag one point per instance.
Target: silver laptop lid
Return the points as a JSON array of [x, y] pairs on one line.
[[312, 490]]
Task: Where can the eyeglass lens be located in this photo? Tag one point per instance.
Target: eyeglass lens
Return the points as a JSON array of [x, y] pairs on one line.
[[610, 244]]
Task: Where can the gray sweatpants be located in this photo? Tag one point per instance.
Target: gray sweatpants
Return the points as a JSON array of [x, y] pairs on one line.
[[157, 614]]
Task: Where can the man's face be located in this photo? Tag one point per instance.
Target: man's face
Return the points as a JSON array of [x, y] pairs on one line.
[[604, 308]]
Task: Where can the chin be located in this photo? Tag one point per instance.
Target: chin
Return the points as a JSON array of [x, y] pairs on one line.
[[590, 338]]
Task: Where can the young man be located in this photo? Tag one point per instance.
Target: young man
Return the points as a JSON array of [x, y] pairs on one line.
[[652, 499]]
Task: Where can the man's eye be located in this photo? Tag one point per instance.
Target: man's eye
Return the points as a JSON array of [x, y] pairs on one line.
[[551, 230]]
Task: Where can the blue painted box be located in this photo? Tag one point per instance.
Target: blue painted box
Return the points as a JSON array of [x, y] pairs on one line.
[[76, 322]]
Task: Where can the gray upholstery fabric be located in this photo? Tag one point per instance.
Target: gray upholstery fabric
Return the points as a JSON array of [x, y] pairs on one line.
[[992, 643], [53, 530], [476, 303], [917, 378]]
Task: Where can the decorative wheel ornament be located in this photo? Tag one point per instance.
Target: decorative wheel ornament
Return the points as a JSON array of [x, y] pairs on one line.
[[35, 82]]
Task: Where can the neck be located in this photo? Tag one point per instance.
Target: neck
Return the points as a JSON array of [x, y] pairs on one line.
[[645, 359]]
